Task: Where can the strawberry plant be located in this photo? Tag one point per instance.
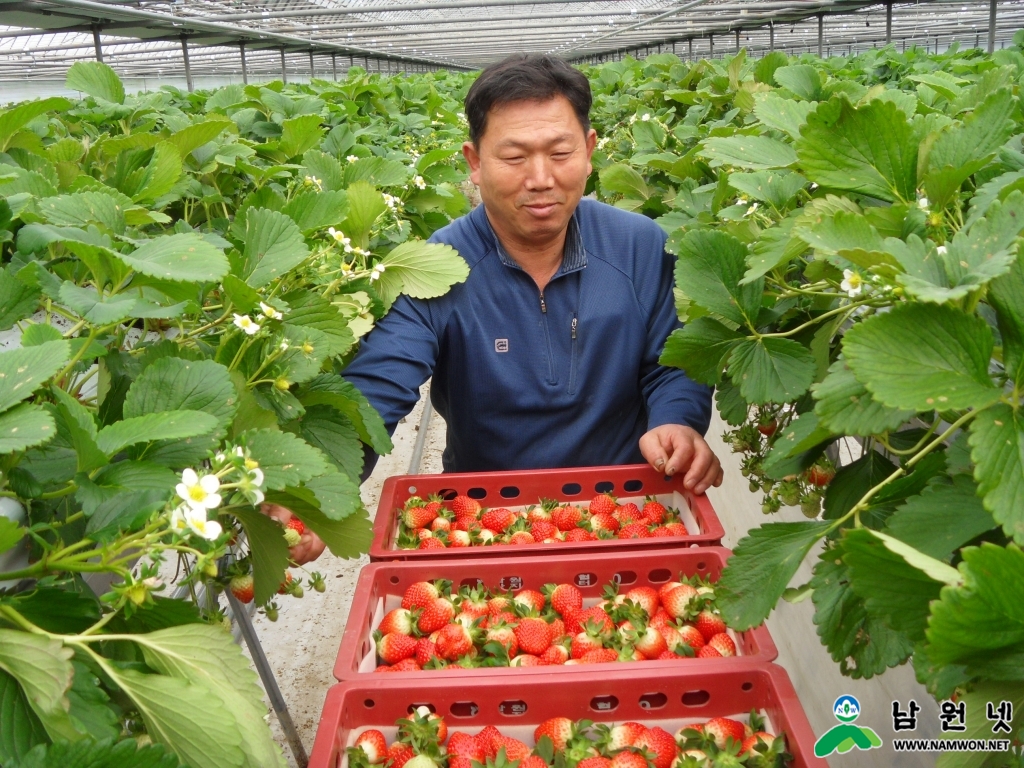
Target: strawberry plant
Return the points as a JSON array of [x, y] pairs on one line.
[[847, 234], [184, 277]]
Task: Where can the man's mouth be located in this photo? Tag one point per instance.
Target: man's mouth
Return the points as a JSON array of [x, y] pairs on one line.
[[540, 209]]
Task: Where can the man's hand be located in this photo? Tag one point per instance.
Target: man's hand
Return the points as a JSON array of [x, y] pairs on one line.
[[310, 546], [672, 448]]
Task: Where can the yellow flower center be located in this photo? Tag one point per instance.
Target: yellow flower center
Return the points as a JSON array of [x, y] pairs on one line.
[[196, 493]]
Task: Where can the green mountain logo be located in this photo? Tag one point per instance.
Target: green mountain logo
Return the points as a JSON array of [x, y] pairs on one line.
[[846, 736]]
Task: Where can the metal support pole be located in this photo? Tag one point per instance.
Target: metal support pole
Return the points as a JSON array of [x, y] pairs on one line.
[[245, 69], [690, 48], [334, 65], [312, 68], [821, 33], [771, 36], [188, 68], [96, 42], [992, 26], [259, 658], [888, 22], [737, 40], [711, 42], [284, 72]]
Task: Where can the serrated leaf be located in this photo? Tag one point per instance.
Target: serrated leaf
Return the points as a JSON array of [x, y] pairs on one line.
[[1006, 295], [621, 179], [852, 481], [90, 705], [184, 257], [273, 246], [753, 152], [771, 370], [981, 624], [421, 270], [348, 538], [123, 494], [89, 304], [315, 210], [365, 205], [241, 295], [785, 115], [325, 168], [376, 171], [81, 208], [95, 79], [77, 426], [20, 729], [178, 714], [333, 433], [105, 753], [710, 265], [801, 80], [977, 698], [25, 426], [943, 518], [310, 310], [776, 188], [10, 533], [845, 406], [892, 588], [299, 134], [167, 425], [269, 551], [284, 458], [17, 300], [163, 170], [997, 449], [337, 494], [332, 390], [191, 137], [996, 189], [731, 405], [775, 247], [761, 568], [17, 117], [42, 667], [871, 150], [700, 348], [921, 358], [22, 370], [850, 236]]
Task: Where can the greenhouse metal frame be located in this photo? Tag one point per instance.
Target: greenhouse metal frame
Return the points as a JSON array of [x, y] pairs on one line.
[[298, 39]]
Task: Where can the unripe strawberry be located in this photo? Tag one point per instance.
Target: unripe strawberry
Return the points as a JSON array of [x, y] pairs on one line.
[[242, 588]]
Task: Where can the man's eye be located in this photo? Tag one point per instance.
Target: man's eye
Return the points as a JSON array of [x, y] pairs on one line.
[[514, 159], [562, 155]]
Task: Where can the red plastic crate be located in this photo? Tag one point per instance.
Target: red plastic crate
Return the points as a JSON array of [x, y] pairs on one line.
[[670, 701], [525, 487], [381, 586]]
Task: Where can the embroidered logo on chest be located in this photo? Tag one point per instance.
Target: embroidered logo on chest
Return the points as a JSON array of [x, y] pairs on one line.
[[501, 345]]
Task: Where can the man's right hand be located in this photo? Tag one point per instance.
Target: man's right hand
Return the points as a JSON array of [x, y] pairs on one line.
[[310, 546]]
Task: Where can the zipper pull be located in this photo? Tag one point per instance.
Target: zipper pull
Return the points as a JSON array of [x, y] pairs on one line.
[[574, 321], [543, 304]]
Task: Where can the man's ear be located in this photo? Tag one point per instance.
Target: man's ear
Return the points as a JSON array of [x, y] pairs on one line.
[[472, 160], [591, 145]]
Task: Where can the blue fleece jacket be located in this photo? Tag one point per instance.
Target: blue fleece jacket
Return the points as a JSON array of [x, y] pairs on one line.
[[526, 380]]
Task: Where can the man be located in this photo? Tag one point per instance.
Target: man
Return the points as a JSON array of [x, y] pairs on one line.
[[547, 355]]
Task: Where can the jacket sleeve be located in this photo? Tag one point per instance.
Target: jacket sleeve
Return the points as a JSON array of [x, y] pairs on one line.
[[671, 396], [393, 362]]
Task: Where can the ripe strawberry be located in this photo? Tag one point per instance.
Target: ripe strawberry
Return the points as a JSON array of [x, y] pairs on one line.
[[464, 745], [692, 637], [468, 524], [542, 529], [585, 642], [418, 517], [458, 539], [521, 537], [498, 520], [721, 729], [679, 601], [621, 736], [465, 507], [660, 618], [242, 588], [820, 474], [534, 635], [393, 648], [557, 628], [565, 598], [420, 594], [514, 749], [634, 531], [646, 598], [440, 524], [437, 614], [661, 744], [594, 762], [293, 531], [566, 517], [723, 644], [661, 532], [530, 600], [580, 534], [406, 665], [708, 652], [709, 624], [677, 529], [603, 621], [505, 616], [374, 744], [555, 655], [399, 621], [457, 761], [431, 543], [629, 760], [667, 587], [531, 761], [559, 729], [525, 660], [426, 651], [752, 741], [502, 633], [599, 656], [603, 504], [629, 513], [454, 641], [423, 728], [399, 754], [650, 643], [486, 738], [499, 604], [603, 522], [654, 511]]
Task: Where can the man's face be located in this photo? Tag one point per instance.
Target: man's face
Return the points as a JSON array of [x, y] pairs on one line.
[[531, 166]]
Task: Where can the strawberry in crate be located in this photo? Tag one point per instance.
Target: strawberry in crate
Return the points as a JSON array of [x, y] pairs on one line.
[[465, 523], [472, 627], [423, 741]]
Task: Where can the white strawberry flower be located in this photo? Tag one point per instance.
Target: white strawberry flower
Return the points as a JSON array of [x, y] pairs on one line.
[[852, 283], [199, 525], [198, 492], [352, 158], [941, 250], [419, 182], [632, 119], [270, 312], [602, 143], [256, 476], [247, 324], [283, 346], [922, 203], [646, 117], [377, 272], [178, 524], [751, 209]]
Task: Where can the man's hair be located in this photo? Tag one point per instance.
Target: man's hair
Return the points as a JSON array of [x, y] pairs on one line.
[[526, 77]]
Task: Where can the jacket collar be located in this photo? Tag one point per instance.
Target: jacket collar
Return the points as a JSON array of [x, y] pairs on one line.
[[574, 256]]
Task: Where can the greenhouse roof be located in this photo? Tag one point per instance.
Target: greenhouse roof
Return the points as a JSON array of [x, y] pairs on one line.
[[39, 39]]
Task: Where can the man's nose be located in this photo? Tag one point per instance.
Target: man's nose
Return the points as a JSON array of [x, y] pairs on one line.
[[538, 173]]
